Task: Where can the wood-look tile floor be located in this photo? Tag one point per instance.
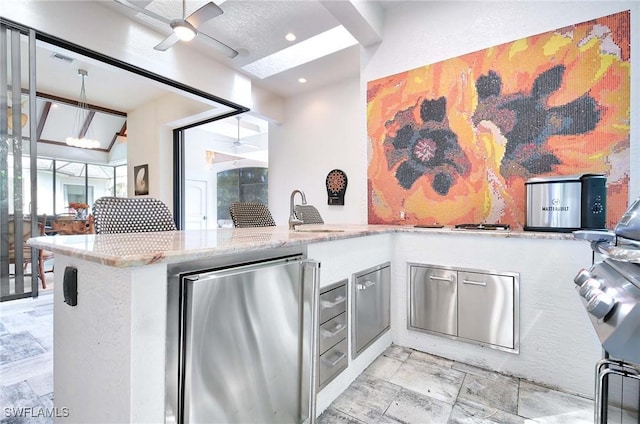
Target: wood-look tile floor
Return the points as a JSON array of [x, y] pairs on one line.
[[407, 386], [26, 359], [401, 386]]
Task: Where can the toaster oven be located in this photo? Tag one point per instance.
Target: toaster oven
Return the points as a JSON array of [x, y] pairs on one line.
[[566, 203]]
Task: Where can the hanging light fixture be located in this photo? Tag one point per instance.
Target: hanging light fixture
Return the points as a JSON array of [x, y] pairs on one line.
[[82, 122], [23, 117]]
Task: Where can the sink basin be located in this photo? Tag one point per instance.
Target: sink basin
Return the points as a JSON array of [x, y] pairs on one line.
[[326, 230]]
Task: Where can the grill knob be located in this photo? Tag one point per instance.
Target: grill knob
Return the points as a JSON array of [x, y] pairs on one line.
[[600, 304], [589, 288], [582, 277]]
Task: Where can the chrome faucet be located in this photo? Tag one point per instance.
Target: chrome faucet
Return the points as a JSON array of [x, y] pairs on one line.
[[293, 219]]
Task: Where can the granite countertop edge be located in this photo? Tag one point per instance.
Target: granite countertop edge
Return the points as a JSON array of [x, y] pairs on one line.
[[139, 249]]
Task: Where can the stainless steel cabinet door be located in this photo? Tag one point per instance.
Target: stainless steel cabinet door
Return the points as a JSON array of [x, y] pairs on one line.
[[371, 307], [486, 308], [433, 299]]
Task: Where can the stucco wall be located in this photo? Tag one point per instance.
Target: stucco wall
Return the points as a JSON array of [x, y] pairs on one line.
[[322, 132], [327, 128]]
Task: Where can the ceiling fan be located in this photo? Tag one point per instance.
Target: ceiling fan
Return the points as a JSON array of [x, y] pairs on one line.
[[186, 28], [239, 143]]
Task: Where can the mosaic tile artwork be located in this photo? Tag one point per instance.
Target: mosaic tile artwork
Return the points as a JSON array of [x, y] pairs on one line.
[[454, 142]]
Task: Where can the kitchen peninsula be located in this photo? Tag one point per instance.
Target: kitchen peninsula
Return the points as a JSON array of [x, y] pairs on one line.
[[115, 337]]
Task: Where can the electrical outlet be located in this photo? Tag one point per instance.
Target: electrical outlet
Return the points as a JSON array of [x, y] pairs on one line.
[[402, 214]]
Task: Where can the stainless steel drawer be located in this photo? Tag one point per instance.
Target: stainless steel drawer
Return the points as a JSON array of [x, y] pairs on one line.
[[332, 362], [332, 331], [486, 308], [333, 302]]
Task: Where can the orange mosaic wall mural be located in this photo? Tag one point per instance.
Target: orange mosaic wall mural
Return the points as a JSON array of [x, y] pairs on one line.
[[454, 142]]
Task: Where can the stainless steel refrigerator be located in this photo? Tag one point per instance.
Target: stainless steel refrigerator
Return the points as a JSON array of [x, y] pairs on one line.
[[247, 340]]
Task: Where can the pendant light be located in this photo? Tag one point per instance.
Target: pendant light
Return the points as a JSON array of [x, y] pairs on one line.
[[82, 123], [23, 117]]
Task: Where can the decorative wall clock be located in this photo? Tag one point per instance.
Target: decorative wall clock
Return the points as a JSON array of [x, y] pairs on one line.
[[336, 187]]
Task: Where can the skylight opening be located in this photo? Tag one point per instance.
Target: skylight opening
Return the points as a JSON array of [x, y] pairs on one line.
[[306, 51]]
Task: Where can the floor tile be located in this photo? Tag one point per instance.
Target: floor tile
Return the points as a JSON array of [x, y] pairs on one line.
[[491, 389], [467, 412], [14, 347], [383, 368], [333, 416], [411, 407], [366, 398], [398, 352], [15, 372], [548, 406], [18, 395], [431, 359], [41, 384], [429, 379]]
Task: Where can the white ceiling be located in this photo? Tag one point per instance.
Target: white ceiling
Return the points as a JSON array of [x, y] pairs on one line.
[[256, 28], [107, 87]]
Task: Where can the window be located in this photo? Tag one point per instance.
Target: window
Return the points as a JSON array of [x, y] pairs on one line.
[[241, 185], [61, 182], [76, 194]]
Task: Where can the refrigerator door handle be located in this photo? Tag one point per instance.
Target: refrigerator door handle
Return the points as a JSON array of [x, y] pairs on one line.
[[311, 318]]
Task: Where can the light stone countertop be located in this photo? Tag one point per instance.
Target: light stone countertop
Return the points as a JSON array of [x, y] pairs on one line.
[[137, 249]]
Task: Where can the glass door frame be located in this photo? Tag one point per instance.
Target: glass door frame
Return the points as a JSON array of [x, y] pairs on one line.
[[178, 160], [13, 34]]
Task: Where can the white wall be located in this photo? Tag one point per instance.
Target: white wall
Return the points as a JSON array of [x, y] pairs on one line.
[[322, 132], [150, 141]]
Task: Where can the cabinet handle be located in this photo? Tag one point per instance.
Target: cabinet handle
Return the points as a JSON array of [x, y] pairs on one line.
[[340, 357], [447, 279], [474, 283], [366, 285], [327, 334], [327, 304]]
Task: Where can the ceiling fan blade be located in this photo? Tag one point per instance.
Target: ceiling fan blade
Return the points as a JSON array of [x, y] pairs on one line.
[[240, 144], [142, 10], [202, 15], [220, 46], [167, 42]]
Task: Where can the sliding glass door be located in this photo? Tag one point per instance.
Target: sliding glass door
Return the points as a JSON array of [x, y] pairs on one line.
[[18, 218]]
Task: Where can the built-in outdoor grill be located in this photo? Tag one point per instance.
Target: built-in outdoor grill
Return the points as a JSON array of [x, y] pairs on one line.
[[610, 291]]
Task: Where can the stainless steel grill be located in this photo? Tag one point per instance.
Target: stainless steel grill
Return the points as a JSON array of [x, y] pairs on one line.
[[610, 291]]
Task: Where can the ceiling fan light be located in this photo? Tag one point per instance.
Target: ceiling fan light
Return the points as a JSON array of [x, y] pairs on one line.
[[85, 143], [184, 30]]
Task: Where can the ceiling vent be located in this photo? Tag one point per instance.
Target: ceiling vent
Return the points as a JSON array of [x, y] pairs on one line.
[[62, 57]]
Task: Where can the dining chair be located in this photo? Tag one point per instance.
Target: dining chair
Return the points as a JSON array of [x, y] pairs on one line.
[[16, 242], [250, 214], [308, 214], [115, 215]]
